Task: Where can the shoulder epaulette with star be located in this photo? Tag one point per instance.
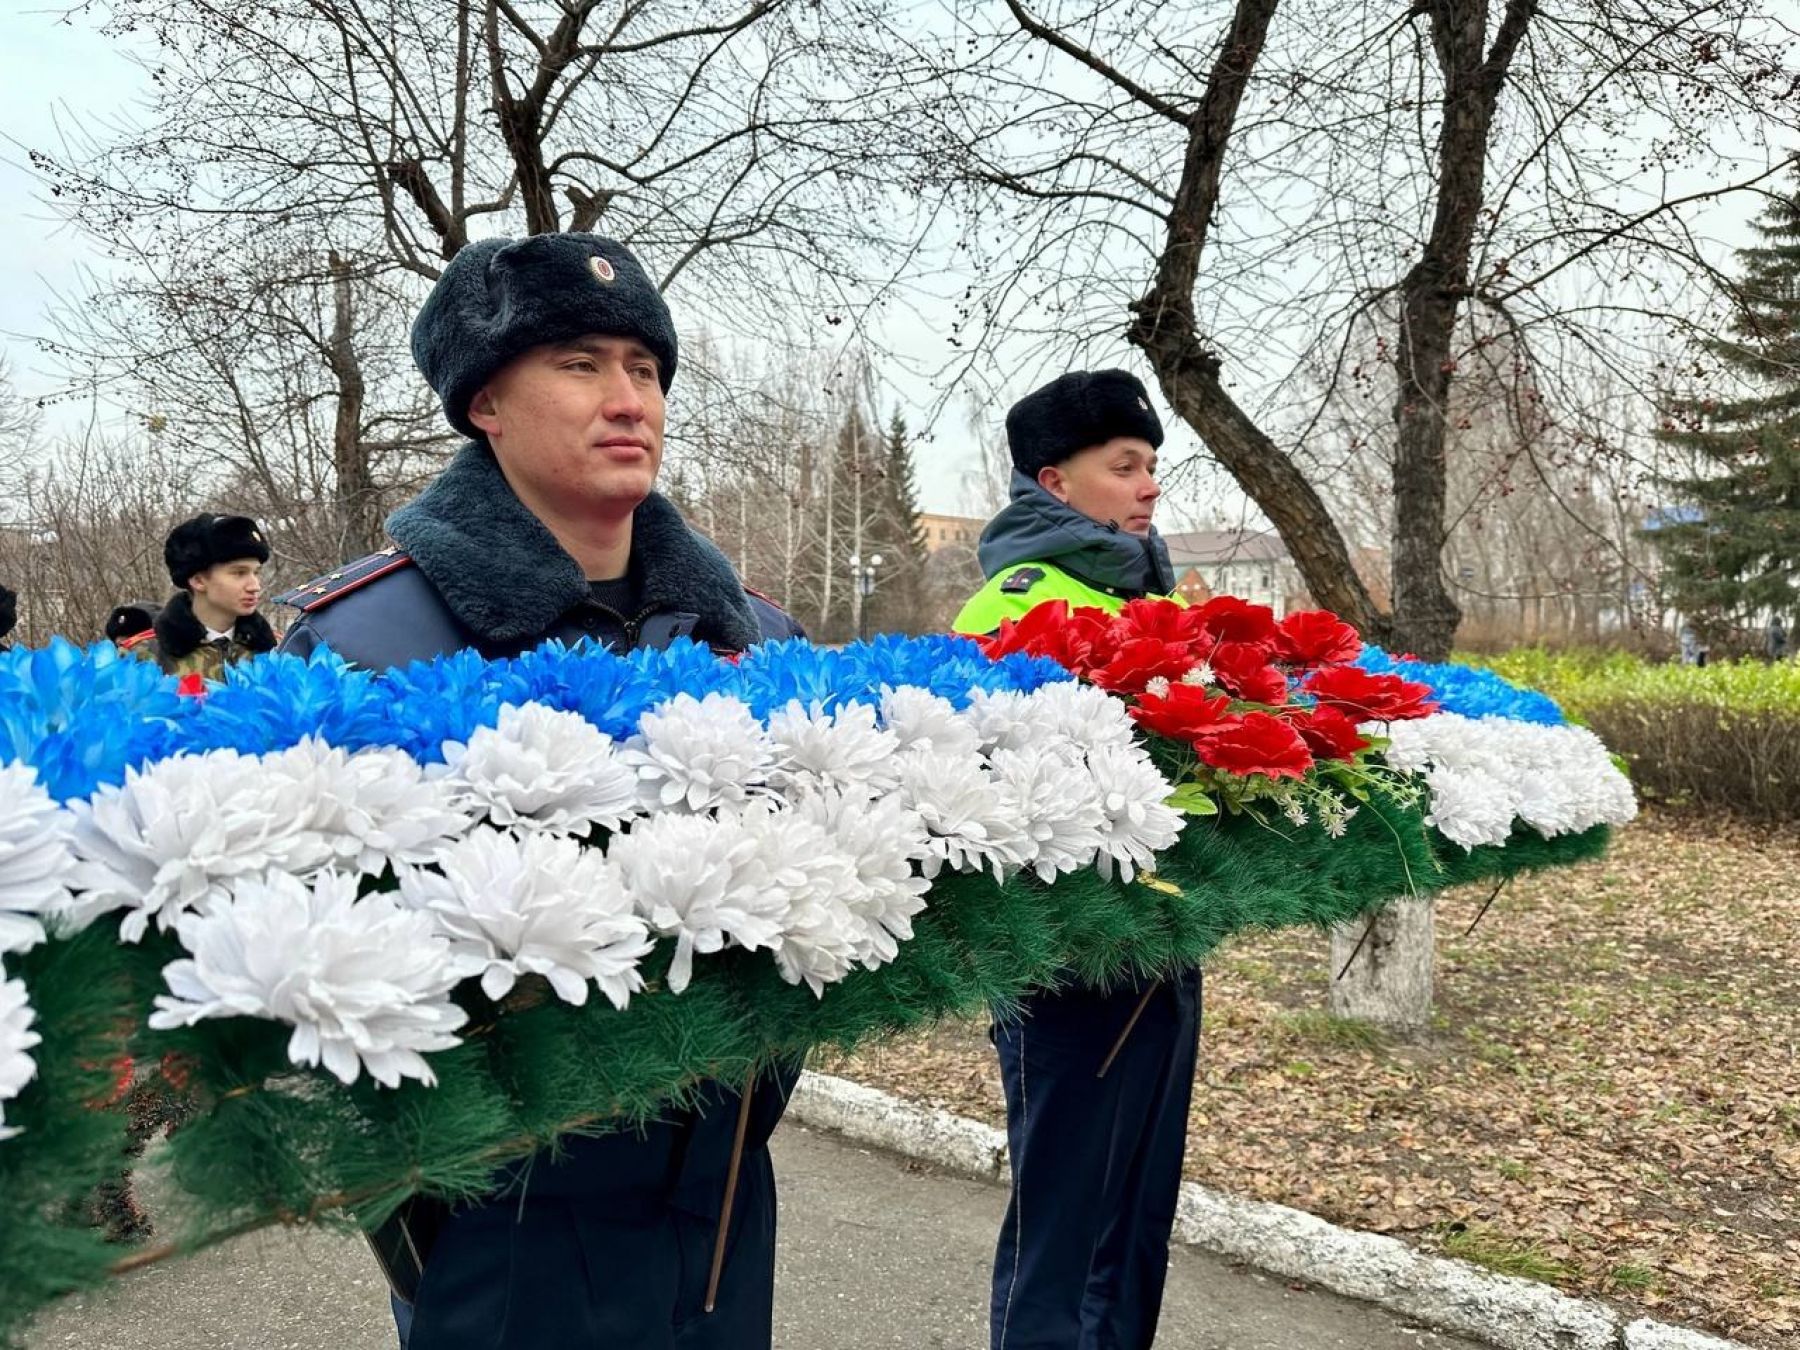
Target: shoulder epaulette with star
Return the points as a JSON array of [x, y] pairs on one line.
[[1022, 581], [335, 585]]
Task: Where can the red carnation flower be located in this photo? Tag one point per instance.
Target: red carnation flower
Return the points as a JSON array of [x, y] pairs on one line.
[[1229, 619], [1258, 743], [1315, 637], [1141, 660], [1184, 713], [1369, 698], [191, 685], [1162, 619], [1329, 734], [1243, 669], [1050, 630]]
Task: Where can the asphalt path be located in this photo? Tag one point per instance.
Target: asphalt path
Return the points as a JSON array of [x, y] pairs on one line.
[[876, 1253]]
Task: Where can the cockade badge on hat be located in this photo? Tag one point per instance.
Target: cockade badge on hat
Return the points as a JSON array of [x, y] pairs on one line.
[[602, 269]]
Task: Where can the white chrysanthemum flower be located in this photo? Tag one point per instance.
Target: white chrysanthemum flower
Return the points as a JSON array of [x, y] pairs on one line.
[[541, 768], [1057, 805], [538, 904], [924, 721], [820, 934], [1087, 717], [1557, 779], [177, 833], [365, 983], [701, 881], [970, 823], [881, 837], [1469, 807], [1003, 719], [1137, 822], [359, 812], [700, 754], [832, 752], [35, 858], [17, 1068]]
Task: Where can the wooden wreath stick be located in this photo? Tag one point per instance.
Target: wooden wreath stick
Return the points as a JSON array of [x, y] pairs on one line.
[[1136, 1013], [731, 1184]]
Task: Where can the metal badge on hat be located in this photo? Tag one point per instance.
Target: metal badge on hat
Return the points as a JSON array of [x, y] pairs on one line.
[[602, 269]]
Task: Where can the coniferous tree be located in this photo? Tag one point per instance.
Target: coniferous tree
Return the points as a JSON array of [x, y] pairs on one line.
[[1730, 535], [900, 600]]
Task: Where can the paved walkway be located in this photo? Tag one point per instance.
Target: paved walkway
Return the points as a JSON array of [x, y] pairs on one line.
[[876, 1254]]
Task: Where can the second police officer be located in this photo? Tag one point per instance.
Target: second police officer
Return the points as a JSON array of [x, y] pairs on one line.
[[1096, 1161]]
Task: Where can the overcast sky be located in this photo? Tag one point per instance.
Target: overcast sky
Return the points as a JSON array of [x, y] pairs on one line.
[[53, 73]]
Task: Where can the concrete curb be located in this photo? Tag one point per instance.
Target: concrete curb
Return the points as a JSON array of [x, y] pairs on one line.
[[1453, 1296]]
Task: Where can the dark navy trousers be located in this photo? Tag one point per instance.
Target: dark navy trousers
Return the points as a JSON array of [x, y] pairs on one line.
[[610, 1244], [1096, 1163]]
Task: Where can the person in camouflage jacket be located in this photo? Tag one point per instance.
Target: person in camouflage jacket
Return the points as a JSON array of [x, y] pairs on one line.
[[211, 621]]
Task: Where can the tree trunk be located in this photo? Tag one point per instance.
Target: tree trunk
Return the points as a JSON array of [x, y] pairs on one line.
[[359, 516], [1163, 326], [1389, 981]]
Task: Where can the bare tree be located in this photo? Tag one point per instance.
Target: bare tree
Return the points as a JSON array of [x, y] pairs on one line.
[[1231, 187], [306, 167], [276, 367], [87, 533]]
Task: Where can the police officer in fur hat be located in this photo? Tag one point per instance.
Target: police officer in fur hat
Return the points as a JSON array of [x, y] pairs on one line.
[[553, 354], [1096, 1160], [128, 623], [210, 622]]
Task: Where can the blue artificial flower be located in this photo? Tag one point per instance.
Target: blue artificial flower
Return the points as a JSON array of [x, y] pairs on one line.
[[1468, 690], [609, 690], [685, 667], [82, 717], [273, 701], [443, 699], [773, 674]]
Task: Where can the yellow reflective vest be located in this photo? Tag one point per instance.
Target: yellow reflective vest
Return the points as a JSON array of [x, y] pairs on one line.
[[1015, 589]]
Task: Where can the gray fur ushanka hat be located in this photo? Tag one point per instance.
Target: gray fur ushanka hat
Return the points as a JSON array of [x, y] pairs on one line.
[[501, 297], [1075, 411]]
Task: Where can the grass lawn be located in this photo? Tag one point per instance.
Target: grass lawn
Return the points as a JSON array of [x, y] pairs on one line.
[[1609, 1099]]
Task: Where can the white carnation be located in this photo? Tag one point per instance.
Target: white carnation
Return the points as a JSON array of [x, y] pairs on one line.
[[700, 754], [541, 768], [969, 822], [177, 833], [534, 905], [921, 720], [1136, 821], [1056, 804], [881, 837], [701, 881], [364, 982], [35, 858], [17, 1068], [832, 752]]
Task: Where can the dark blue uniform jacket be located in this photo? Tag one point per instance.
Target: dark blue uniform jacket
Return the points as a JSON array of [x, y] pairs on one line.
[[472, 567]]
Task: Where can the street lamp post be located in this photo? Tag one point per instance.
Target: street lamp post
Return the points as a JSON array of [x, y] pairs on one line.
[[862, 586]]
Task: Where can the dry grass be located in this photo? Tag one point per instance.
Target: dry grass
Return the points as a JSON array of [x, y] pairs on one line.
[[1609, 1100]]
